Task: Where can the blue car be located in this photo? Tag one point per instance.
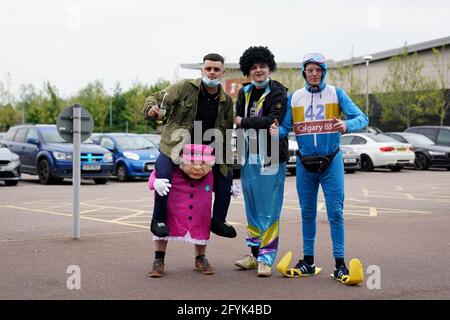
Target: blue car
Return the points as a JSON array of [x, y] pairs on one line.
[[134, 156], [42, 151]]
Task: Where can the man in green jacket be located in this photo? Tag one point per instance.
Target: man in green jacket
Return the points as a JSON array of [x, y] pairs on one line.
[[190, 108]]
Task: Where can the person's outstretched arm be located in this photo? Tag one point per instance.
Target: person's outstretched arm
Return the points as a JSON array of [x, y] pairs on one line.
[[356, 119]]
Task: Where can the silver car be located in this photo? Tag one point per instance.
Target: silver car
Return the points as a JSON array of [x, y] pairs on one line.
[[352, 160], [293, 147], [9, 166]]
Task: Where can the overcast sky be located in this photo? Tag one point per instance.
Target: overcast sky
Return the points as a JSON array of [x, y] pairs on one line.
[[71, 43]]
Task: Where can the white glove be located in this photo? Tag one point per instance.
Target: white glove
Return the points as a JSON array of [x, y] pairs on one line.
[[235, 190], [162, 186]]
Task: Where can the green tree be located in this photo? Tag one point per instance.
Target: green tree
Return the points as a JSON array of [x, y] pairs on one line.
[[6, 95], [439, 103], [8, 117], [405, 90], [27, 98], [41, 106], [95, 99], [344, 77], [135, 99], [291, 78]]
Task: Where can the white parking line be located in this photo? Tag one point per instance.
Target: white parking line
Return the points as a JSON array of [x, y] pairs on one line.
[[108, 207], [70, 216], [69, 238], [131, 216], [365, 192]]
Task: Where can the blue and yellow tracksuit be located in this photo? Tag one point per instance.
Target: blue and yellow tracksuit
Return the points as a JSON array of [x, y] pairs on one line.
[[309, 112], [263, 186]]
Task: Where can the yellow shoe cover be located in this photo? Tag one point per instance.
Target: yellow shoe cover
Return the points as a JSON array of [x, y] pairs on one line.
[[283, 268], [283, 265], [356, 273]]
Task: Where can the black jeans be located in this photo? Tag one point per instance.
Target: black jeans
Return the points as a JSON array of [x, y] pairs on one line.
[[222, 190]]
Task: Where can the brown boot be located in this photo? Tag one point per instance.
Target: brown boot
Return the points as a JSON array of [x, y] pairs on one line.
[[157, 269]]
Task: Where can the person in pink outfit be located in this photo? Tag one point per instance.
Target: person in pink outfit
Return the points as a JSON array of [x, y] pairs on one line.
[[189, 205]]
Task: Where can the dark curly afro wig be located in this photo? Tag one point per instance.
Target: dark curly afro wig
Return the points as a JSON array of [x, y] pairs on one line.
[[256, 55]]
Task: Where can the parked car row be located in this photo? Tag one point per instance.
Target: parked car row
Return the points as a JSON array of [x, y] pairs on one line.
[[379, 151], [421, 147], [43, 152], [428, 154], [39, 150]]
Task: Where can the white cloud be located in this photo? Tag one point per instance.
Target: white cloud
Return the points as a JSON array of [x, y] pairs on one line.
[[73, 42]]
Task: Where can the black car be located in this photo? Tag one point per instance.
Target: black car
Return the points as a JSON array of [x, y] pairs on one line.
[[438, 134], [428, 154]]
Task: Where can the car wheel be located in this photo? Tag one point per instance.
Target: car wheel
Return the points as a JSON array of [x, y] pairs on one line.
[[396, 168], [11, 182], [100, 180], [350, 171], [292, 171], [421, 162], [122, 174], [366, 163], [45, 176]]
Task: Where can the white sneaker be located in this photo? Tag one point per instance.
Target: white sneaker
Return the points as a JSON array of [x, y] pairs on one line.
[[264, 270], [249, 262]]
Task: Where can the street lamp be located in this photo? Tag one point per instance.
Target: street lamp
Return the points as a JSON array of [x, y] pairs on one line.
[[367, 60]]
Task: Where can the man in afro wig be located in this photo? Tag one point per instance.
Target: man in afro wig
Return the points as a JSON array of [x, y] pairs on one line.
[[254, 55]]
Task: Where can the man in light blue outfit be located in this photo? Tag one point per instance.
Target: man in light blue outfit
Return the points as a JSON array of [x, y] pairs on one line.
[[263, 171], [313, 113]]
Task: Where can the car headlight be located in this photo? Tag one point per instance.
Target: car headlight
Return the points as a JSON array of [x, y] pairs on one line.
[[107, 157], [62, 155], [437, 153], [15, 161], [131, 155]]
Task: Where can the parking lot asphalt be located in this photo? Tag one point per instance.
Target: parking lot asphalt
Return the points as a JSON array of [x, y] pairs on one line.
[[396, 223]]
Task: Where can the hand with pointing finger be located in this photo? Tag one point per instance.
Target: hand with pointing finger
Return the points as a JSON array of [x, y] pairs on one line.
[[274, 128], [154, 112], [339, 125]]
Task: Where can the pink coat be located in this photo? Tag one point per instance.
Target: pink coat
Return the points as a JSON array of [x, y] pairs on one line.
[[188, 207]]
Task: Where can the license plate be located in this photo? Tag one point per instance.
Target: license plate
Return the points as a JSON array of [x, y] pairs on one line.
[[402, 149], [89, 167], [149, 167], [349, 160]]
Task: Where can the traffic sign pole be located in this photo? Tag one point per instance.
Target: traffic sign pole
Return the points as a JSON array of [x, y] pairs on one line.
[[75, 124], [76, 170]]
